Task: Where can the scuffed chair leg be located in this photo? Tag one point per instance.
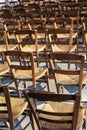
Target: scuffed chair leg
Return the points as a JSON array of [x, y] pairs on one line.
[[32, 121]]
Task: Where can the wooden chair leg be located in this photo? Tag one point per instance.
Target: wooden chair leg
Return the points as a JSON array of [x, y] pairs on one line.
[[48, 82], [32, 121]]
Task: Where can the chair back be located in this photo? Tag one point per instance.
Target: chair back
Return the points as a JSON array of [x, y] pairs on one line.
[[20, 61], [60, 37], [56, 119], [74, 72], [27, 37], [39, 25]]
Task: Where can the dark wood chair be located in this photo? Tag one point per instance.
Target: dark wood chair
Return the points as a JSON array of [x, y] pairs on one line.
[[56, 111]]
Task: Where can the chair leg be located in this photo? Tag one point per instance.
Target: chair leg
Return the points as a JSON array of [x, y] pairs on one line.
[[48, 82], [12, 125], [16, 84], [32, 121], [46, 58]]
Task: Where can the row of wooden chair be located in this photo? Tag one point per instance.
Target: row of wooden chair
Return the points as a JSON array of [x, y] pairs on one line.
[[21, 71], [22, 68], [54, 108]]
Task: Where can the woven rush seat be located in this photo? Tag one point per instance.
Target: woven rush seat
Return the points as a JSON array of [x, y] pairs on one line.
[[56, 111], [61, 48], [18, 106], [4, 68], [62, 39], [71, 79], [67, 35], [33, 48], [10, 46], [24, 70], [61, 107], [12, 36], [28, 74]]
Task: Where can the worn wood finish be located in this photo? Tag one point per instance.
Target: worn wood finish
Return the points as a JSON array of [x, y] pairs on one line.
[[23, 69], [61, 40], [10, 108], [64, 76], [10, 26], [46, 118], [28, 41]]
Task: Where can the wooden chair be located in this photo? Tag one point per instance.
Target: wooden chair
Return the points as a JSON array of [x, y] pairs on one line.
[[40, 26], [10, 107], [61, 40], [33, 10], [52, 9], [10, 26], [23, 69], [30, 43], [6, 15], [56, 111], [4, 68], [84, 9], [73, 77], [18, 10], [83, 48], [66, 22], [82, 45], [76, 16]]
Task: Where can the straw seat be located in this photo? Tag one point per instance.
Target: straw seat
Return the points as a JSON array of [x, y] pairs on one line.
[[57, 111], [64, 75], [10, 108], [24, 70]]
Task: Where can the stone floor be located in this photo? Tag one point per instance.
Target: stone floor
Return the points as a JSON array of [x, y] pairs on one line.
[[52, 84], [53, 88]]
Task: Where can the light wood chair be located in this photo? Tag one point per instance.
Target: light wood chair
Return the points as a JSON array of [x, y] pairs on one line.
[[66, 22], [4, 68], [75, 14], [30, 43], [40, 25], [73, 77], [83, 47], [10, 108], [24, 70], [61, 40], [10, 26], [56, 111]]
